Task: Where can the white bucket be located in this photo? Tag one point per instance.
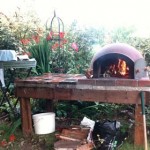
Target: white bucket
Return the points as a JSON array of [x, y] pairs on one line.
[[44, 123]]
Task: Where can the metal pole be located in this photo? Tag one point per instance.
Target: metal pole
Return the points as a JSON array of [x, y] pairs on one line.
[[144, 120]]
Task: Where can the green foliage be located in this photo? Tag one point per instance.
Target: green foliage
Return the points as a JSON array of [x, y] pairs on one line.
[[52, 55], [9, 129], [147, 112], [93, 110], [122, 34], [78, 61], [143, 45], [129, 146], [8, 39], [14, 126], [41, 52], [17, 27]]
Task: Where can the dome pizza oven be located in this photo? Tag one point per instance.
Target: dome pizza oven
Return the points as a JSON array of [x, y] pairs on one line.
[[119, 60]]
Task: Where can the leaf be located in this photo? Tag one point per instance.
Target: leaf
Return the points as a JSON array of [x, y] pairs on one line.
[[13, 128]]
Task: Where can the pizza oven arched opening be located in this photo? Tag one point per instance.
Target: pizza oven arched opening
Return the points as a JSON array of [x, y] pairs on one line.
[[117, 60], [113, 65]]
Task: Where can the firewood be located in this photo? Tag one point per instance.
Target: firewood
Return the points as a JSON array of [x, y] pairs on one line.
[[67, 145], [87, 146]]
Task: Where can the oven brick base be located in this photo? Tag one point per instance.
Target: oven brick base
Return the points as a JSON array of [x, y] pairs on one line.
[[115, 82]]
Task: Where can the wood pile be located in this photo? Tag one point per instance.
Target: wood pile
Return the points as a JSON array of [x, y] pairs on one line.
[[73, 138]]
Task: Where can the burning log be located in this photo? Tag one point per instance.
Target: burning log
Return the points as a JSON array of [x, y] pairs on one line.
[[118, 69], [89, 73]]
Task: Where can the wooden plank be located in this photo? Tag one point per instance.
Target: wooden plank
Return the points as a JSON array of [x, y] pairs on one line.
[[62, 94], [121, 97], [66, 145], [29, 92], [147, 98], [138, 130]]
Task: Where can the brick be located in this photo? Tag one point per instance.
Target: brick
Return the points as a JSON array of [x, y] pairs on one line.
[[144, 83], [105, 82], [127, 82], [87, 81]]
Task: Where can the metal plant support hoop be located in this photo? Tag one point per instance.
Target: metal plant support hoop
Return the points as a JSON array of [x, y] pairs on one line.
[[57, 32]]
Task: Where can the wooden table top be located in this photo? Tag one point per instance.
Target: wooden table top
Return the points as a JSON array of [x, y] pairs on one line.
[[79, 81], [51, 78]]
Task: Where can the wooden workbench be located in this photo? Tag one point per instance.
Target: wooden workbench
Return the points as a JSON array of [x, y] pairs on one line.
[[77, 87]]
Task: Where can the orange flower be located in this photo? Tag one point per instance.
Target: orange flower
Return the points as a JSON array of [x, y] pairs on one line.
[[12, 138], [36, 38], [25, 41]]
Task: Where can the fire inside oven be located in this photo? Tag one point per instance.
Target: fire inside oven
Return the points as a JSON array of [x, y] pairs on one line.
[[114, 65], [117, 60]]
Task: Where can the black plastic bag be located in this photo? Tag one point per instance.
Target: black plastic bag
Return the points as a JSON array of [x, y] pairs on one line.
[[107, 135]]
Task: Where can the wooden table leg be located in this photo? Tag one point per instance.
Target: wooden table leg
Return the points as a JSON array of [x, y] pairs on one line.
[[139, 130], [26, 118]]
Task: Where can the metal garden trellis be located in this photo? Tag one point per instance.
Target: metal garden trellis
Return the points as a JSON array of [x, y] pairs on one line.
[[57, 35]]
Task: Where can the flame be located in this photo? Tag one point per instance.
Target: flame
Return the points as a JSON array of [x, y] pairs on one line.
[[122, 67], [119, 69]]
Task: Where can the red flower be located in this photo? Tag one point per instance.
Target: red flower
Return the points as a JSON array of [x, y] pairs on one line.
[[3, 143], [61, 35], [49, 36], [12, 138], [64, 41], [55, 46]]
